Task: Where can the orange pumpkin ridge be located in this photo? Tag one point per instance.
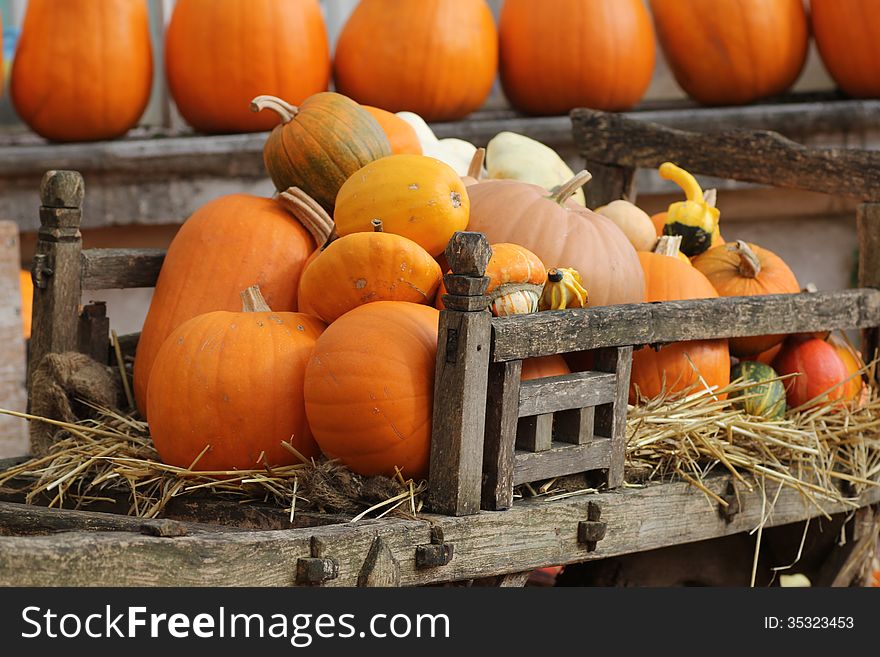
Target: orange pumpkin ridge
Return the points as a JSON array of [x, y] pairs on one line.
[[847, 34]]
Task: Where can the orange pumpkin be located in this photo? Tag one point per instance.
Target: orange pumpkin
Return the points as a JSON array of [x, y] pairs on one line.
[[83, 70], [227, 245], [819, 369], [562, 234], [234, 381], [847, 34], [677, 367], [559, 55], [437, 58], [27, 302], [765, 357], [412, 195], [539, 368], [740, 269], [401, 135], [852, 361], [319, 144], [735, 51], [364, 268], [220, 55], [369, 388], [659, 221]]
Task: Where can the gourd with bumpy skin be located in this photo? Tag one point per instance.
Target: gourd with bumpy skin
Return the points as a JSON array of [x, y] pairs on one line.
[[766, 398], [412, 195], [563, 289], [561, 233], [320, 144], [233, 382], [694, 219]]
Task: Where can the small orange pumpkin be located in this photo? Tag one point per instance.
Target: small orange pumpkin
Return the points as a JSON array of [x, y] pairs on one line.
[[27, 302], [819, 369], [539, 368], [852, 361], [234, 381], [401, 135]]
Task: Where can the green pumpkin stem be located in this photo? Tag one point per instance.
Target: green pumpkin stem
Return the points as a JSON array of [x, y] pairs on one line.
[[564, 191], [749, 264], [475, 170], [309, 213], [252, 301], [285, 110], [377, 226]]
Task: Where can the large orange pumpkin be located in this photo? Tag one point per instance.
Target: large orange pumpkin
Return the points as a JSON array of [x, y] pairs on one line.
[[562, 234], [852, 361], [819, 369], [83, 70], [539, 368], [401, 135], [437, 58], [731, 52], [369, 388], [234, 381], [677, 367], [559, 55], [220, 55], [27, 301], [847, 34], [319, 144], [739, 269], [227, 245]]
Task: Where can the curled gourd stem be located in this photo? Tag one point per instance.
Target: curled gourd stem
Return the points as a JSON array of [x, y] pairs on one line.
[[309, 213], [683, 179], [475, 170], [749, 263], [564, 191], [377, 226], [668, 245], [285, 110], [252, 301]]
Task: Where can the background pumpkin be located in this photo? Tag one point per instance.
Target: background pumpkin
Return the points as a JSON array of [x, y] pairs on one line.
[[437, 58], [401, 135], [220, 55], [539, 368], [819, 369], [369, 388], [847, 34], [243, 395], [556, 56], [852, 361], [27, 302], [731, 52], [227, 245], [82, 69], [562, 234], [319, 144]]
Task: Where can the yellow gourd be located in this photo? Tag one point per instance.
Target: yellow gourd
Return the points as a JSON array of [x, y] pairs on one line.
[[694, 219], [563, 289]]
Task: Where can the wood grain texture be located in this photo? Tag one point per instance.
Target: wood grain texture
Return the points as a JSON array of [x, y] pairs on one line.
[[610, 419], [609, 183], [562, 331], [575, 426], [107, 269], [502, 411], [560, 460], [558, 393], [868, 227], [533, 534], [94, 332], [13, 396], [535, 433], [758, 156]]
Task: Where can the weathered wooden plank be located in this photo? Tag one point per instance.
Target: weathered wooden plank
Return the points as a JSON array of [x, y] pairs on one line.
[[533, 534], [502, 406], [611, 418], [94, 331], [560, 460], [575, 426], [759, 156], [609, 183], [561, 331], [107, 269], [868, 226], [535, 433], [559, 393], [127, 344], [13, 433]]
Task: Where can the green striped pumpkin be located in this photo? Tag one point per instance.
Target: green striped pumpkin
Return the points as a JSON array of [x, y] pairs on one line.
[[766, 398]]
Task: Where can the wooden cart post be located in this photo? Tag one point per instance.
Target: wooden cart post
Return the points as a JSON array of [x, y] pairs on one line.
[[868, 219]]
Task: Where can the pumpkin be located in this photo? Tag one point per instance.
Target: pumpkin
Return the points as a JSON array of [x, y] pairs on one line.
[[740, 269], [234, 381], [561, 233], [847, 34], [563, 289], [220, 55], [735, 51], [516, 280], [694, 219], [677, 367], [516, 157], [26, 284], [369, 388], [475, 169], [401, 135], [412, 195], [766, 398], [544, 366], [83, 70], [852, 361], [457, 153], [575, 53], [437, 58], [659, 221], [364, 268], [819, 370], [633, 221], [225, 246], [319, 144], [765, 357]]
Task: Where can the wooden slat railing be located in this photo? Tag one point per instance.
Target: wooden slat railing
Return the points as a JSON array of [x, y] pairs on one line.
[[109, 269]]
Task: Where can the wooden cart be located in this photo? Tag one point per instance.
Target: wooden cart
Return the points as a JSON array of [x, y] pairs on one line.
[[490, 431]]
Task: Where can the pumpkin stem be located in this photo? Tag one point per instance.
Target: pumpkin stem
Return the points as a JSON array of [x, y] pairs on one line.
[[749, 264], [475, 170], [285, 110], [309, 213], [564, 191], [668, 245], [554, 275], [252, 301], [710, 196], [377, 226]]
